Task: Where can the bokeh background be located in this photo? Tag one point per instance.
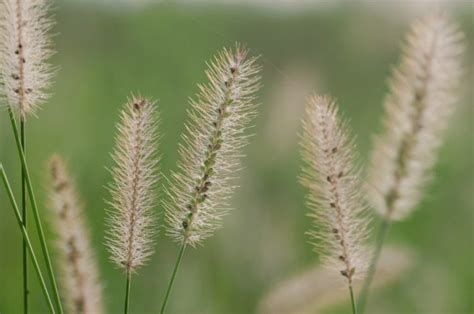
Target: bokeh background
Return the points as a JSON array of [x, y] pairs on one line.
[[107, 49]]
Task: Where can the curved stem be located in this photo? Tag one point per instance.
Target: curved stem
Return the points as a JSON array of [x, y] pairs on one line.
[[34, 207], [127, 292], [353, 301], [382, 234], [23, 218], [26, 238], [170, 284]]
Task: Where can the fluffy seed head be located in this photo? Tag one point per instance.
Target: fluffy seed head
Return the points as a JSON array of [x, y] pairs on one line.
[[24, 50], [316, 290], [82, 291], [132, 224], [334, 194], [418, 107], [211, 152]]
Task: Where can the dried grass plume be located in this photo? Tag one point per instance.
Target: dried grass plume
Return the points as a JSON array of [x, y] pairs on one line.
[[334, 190], [131, 221], [418, 107], [316, 290], [79, 277], [25, 48], [212, 147]]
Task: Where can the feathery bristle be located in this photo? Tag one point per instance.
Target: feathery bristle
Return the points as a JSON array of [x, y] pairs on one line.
[[418, 107], [24, 49], [212, 147], [334, 195], [131, 221], [82, 291]]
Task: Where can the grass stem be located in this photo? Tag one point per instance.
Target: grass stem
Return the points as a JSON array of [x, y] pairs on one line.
[[24, 219], [353, 301], [382, 234], [127, 292], [34, 207], [26, 238], [176, 266]]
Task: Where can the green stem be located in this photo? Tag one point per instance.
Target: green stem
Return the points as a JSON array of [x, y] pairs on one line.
[[26, 238], [127, 291], [176, 266], [382, 234], [23, 218], [353, 301], [34, 207]]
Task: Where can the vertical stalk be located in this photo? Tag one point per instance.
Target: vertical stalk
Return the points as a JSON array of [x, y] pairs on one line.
[[381, 235], [23, 218], [26, 238], [173, 276], [127, 291], [353, 301], [34, 207]]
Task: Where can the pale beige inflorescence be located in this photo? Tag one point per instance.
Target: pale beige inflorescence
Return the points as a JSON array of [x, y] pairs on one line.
[[418, 107], [82, 291], [131, 220], [315, 290], [212, 147], [25, 47], [340, 220]]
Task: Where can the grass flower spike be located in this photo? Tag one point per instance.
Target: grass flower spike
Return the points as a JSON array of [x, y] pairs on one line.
[[315, 290], [421, 99], [82, 291], [131, 221], [418, 107], [24, 50], [334, 194], [25, 76], [212, 149]]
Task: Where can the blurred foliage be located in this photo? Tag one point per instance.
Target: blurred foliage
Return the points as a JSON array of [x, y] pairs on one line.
[[160, 52]]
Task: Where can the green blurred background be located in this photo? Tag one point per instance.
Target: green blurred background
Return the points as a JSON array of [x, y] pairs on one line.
[[107, 51]]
